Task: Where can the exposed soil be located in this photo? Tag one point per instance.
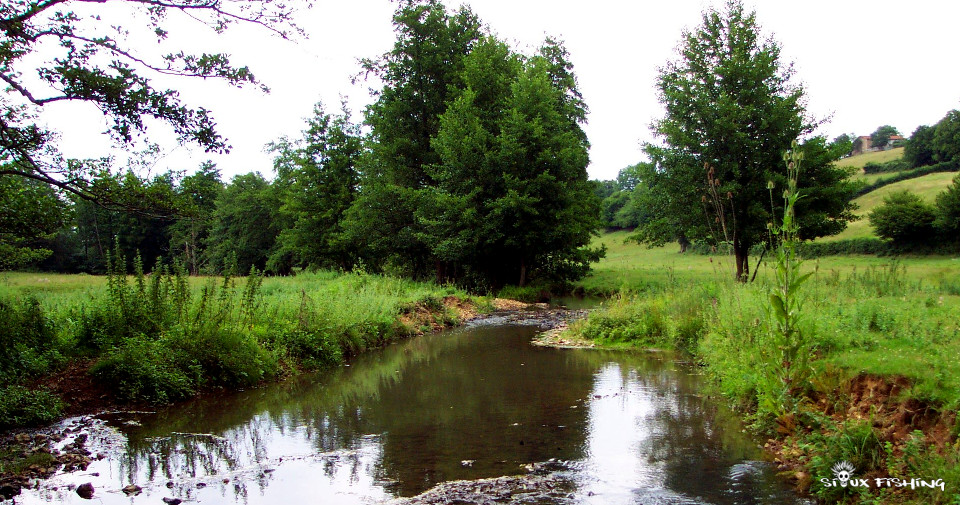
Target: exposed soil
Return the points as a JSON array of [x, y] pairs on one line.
[[880, 400]]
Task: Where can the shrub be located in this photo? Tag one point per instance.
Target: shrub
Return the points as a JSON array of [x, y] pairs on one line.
[[29, 340], [886, 167], [949, 166], [147, 370], [948, 210], [20, 406], [903, 218]]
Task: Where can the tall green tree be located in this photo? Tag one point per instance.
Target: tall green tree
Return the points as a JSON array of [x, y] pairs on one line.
[[31, 213], [320, 178], [946, 138], [198, 194], [420, 76], [513, 200], [731, 111], [919, 149], [245, 226]]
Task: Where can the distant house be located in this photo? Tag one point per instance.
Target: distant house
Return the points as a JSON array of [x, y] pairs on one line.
[[863, 144]]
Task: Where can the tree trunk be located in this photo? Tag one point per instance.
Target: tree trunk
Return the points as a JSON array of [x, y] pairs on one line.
[[742, 253], [523, 272]]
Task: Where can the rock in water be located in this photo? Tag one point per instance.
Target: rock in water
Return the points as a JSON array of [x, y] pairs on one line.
[[172, 501], [85, 491], [8, 491], [132, 489]]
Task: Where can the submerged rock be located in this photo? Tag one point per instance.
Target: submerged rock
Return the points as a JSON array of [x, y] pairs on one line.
[[85, 491], [132, 489]]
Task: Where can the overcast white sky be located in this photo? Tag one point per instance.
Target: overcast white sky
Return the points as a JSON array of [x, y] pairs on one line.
[[863, 63]]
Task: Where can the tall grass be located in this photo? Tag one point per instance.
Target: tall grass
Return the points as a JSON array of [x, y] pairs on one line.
[[165, 336]]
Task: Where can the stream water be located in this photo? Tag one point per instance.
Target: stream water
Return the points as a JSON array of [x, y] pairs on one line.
[[474, 403]]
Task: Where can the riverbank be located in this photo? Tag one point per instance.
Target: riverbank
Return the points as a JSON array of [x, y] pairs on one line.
[[76, 344], [349, 313], [880, 387]]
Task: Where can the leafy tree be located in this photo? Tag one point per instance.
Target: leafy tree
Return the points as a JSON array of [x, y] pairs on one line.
[[198, 193], [843, 144], [881, 136], [245, 226], [948, 211], [99, 228], [603, 189], [420, 75], [85, 59], [628, 178], [513, 199], [946, 138], [919, 149], [904, 218], [731, 111], [30, 214], [321, 180]]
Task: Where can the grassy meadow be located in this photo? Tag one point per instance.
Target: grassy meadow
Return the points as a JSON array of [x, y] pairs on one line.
[[866, 322], [860, 160]]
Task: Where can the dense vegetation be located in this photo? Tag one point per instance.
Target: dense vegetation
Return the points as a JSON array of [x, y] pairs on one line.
[[478, 178], [165, 337]]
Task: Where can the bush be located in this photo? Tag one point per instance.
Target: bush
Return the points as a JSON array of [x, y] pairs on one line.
[[886, 167], [948, 210], [20, 406], [148, 370], [29, 340], [904, 218]]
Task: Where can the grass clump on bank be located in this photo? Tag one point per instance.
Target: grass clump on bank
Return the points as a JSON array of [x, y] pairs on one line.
[[164, 337]]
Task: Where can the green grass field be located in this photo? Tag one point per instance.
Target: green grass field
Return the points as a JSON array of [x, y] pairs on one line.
[[636, 267], [860, 160], [162, 338], [927, 187]]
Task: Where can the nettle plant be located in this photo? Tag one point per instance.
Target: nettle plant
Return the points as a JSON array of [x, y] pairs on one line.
[[791, 343]]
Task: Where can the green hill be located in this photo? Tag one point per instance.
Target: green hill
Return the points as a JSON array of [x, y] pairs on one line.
[[860, 160], [927, 187]]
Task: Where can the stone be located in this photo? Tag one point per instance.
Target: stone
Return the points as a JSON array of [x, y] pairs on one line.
[[132, 489], [85, 491], [8, 491]]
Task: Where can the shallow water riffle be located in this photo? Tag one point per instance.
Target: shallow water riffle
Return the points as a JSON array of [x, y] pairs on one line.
[[473, 405]]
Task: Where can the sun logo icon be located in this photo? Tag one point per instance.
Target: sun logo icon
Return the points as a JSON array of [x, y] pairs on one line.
[[843, 471]]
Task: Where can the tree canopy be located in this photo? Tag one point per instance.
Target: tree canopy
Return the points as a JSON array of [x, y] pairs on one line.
[[881, 136], [731, 111], [476, 171], [86, 59]]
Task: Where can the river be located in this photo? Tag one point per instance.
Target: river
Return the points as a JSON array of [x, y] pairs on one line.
[[611, 427]]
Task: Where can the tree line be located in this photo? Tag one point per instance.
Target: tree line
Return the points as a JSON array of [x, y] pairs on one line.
[[469, 167]]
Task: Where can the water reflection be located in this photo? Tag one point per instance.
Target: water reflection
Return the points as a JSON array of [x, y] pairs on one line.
[[469, 404]]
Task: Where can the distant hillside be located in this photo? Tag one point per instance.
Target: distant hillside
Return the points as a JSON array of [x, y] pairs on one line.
[[927, 187], [860, 160]]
